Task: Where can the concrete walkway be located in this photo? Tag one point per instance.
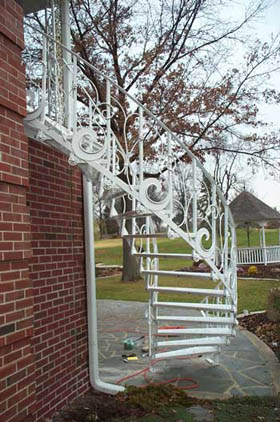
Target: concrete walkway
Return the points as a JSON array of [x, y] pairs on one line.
[[247, 366]]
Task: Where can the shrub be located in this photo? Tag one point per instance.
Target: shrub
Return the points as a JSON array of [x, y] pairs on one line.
[[273, 304], [252, 270]]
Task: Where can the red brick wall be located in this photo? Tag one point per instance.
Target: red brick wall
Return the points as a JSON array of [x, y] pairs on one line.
[[17, 387], [57, 271], [43, 342]]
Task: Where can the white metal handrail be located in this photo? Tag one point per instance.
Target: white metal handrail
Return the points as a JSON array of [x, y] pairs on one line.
[[119, 143], [120, 138]]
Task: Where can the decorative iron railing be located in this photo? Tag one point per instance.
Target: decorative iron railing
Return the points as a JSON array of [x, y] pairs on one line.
[[100, 125]]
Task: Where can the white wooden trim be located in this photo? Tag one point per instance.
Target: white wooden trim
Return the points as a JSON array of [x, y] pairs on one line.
[[258, 255]]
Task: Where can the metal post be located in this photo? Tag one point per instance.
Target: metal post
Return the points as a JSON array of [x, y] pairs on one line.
[[226, 244], [108, 129], [214, 225], [170, 176], [141, 146], [194, 201], [95, 380], [44, 81], [67, 76], [264, 245], [53, 69]]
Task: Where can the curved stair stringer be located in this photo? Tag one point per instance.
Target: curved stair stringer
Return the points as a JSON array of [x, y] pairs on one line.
[[162, 215], [55, 137], [204, 328], [202, 342], [193, 215]]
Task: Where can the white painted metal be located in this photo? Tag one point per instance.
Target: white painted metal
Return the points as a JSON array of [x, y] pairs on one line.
[[197, 331], [199, 216], [196, 306], [95, 380], [198, 320], [194, 342], [192, 351], [67, 71], [188, 290], [164, 255], [132, 214], [177, 273], [147, 236]]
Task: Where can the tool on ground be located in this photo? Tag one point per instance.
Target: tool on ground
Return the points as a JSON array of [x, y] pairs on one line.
[[128, 358], [131, 342]]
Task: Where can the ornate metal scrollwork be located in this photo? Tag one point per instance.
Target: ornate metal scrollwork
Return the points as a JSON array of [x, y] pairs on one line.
[[148, 191], [90, 144], [135, 151], [203, 234]]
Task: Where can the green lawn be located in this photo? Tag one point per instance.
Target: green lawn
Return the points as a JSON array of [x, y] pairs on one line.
[[109, 252], [271, 236], [252, 294]]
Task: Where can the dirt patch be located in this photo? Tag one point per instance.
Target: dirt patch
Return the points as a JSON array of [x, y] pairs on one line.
[[106, 271], [251, 271], [130, 405], [96, 406], [259, 271]]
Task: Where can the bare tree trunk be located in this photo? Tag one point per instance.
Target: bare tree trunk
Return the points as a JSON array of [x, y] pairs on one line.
[[248, 234], [131, 269]]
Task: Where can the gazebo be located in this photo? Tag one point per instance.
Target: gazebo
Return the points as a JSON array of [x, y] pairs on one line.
[[248, 210]]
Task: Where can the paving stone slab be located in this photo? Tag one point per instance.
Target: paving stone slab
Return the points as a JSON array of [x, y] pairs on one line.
[[246, 367]]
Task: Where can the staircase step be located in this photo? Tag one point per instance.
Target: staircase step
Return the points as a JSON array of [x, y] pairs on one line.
[[191, 351], [132, 214], [177, 273], [109, 195], [197, 306], [198, 319], [164, 255], [146, 236], [196, 331], [187, 290], [208, 341]]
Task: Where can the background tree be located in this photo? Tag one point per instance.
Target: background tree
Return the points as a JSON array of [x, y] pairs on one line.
[[176, 57]]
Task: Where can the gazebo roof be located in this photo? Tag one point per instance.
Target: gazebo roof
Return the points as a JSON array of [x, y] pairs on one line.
[[246, 208]]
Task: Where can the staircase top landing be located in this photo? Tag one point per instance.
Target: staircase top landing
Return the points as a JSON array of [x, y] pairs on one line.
[[31, 6]]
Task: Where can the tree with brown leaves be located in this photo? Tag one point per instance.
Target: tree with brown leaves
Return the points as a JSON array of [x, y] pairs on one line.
[[189, 63]]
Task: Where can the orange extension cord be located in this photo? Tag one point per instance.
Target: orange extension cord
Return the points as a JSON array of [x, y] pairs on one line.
[[146, 370]]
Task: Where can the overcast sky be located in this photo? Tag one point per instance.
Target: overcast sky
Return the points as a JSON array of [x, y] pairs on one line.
[[266, 187]]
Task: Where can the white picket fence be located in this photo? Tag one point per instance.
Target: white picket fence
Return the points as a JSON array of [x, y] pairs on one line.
[[258, 255]]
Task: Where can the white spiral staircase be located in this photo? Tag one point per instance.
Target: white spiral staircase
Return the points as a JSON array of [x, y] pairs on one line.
[[145, 170]]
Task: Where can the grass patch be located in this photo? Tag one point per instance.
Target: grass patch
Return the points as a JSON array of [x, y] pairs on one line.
[[271, 236], [247, 409], [167, 402], [252, 294], [109, 251], [155, 397]]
